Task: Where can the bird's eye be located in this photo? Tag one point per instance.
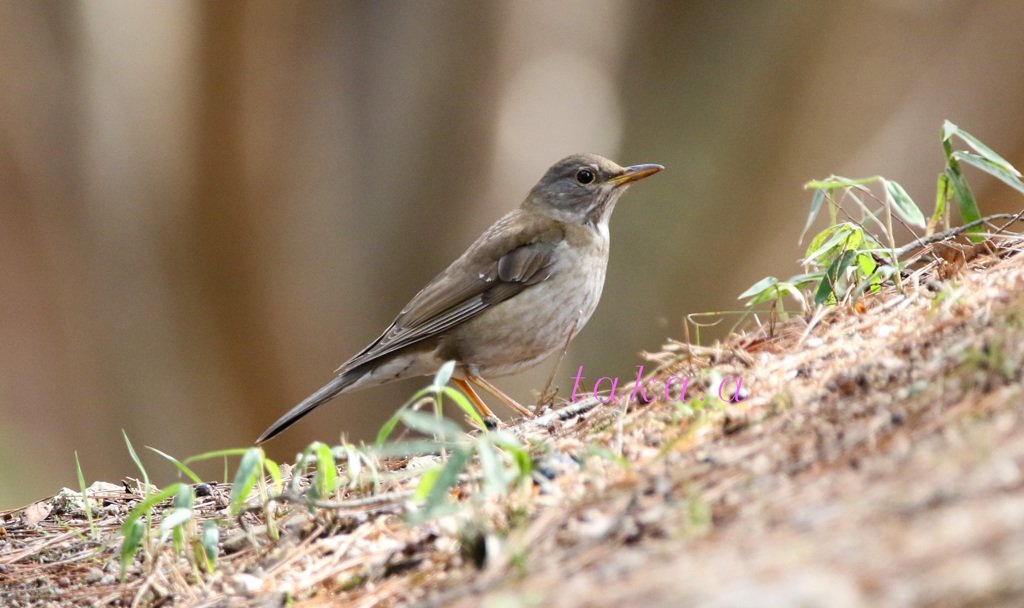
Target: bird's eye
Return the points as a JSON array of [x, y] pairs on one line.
[[585, 176]]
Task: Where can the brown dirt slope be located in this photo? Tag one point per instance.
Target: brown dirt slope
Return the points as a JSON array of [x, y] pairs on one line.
[[876, 459]]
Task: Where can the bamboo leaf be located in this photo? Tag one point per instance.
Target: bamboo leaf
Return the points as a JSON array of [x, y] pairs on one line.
[[816, 201], [903, 205], [983, 151], [758, 287], [999, 172]]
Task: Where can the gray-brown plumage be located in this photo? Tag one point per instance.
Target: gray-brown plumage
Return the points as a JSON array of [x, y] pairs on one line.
[[511, 300]]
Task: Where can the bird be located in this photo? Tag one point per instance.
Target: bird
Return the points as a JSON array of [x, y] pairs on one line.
[[516, 296]]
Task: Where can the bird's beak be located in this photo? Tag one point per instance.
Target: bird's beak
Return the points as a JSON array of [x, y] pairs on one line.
[[632, 174]]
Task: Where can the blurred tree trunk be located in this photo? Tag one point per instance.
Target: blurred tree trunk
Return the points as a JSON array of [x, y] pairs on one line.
[[50, 371]]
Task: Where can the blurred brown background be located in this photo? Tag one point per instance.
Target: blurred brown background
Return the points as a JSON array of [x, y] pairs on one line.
[[206, 207]]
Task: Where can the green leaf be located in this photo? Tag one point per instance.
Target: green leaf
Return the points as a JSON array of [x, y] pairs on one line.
[[463, 402], [968, 206], [947, 148], [180, 515], [389, 426], [881, 274], [176, 518], [519, 454], [210, 540], [827, 290], [993, 169], [404, 449], [803, 280], [969, 211], [825, 239], [816, 201], [133, 529], [765, 296], [245, 478], [275, 471], [302, 464], [903, 205], [146, 504], [445, 480], [85, 495], [133, 533], [431, 425], [217, 454], [426, 485], [984, 151], [495, 481], [836, 182], [866, 264], [855, 241], [355, 463], [443, 375], [500, 467], [868, 214], [759, 287], [181, 467], [138, 463], [948, 130], [942, 194], [848, 237], [325, 481], [793, 291], [184, 498]]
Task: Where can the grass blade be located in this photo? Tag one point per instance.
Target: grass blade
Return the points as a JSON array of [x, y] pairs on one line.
[[138, 463], [85, 496], [210, 539], [245, 478], [181, 467]]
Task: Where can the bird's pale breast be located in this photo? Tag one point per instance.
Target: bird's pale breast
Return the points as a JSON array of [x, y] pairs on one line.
[[518, 333]]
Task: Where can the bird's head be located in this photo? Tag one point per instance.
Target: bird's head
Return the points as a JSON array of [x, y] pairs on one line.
[[583, 188]]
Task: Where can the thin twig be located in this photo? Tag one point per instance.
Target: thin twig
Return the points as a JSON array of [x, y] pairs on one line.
[[941, 236]]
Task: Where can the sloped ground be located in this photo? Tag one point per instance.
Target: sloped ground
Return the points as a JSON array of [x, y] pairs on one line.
[[877, 459]]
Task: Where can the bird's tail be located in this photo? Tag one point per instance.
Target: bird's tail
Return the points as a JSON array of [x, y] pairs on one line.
[[318, 398]]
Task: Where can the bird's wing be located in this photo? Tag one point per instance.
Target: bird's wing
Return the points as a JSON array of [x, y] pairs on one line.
[[473, 283], [480, 279]]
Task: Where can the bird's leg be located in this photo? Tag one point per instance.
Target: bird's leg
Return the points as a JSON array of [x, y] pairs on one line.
[[477, 401], [490, 388]]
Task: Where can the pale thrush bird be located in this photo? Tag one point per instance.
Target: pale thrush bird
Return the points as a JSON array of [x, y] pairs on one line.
[[511, 300]]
